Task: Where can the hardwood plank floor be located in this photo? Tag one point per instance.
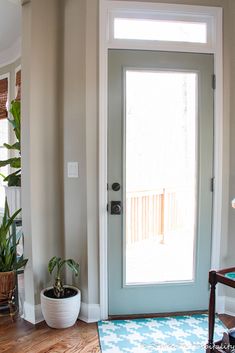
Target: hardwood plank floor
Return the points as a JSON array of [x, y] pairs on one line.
[[22, 337]]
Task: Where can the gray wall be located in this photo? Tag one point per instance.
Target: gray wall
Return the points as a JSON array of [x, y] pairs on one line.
[[60, 115]]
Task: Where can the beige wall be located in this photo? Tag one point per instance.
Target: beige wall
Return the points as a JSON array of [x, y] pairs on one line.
[[80, 140], [59, 109], [42, 181], [60, 124]]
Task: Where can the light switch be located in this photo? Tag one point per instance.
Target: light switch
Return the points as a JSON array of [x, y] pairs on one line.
[[72, 169]]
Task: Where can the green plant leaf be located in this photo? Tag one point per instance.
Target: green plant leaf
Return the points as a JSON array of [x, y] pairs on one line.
[[15, 146], [73, 265], [14, 162], [6, 214], [14, 179], [15, 111], [8, 258], [52, 263], [15, 121], [21, 262]]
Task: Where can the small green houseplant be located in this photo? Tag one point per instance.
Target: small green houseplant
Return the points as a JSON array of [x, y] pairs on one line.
[[14, 178], [9, 262], [8, 245], [61, 303], [58, 263]]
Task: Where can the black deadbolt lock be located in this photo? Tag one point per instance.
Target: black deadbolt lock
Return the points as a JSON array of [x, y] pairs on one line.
[[116, 186], [116, 207]]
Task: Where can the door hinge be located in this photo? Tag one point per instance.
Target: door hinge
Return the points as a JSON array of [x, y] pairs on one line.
[[107, 207], [213, 81], [212, 184]]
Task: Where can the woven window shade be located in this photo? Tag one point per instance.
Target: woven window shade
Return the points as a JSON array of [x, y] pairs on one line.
[[3, 98], [18, 85]]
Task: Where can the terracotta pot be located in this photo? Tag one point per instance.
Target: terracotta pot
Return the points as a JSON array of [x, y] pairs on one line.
[[7, 285]]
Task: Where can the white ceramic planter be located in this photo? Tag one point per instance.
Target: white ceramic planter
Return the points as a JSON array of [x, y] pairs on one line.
[[13, 194], [61, 313]]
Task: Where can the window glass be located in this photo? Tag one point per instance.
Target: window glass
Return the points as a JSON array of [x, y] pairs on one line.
[[3, 156], [162, 30]]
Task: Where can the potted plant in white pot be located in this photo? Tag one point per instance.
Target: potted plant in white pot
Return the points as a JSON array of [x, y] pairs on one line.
[[13, 188], [61, 303], [9, 261]]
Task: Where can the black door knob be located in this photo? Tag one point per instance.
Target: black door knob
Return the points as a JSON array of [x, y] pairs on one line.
[[116, 186], [116, 207]]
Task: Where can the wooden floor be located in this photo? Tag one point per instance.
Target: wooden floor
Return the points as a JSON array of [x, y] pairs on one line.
[[22, 337]]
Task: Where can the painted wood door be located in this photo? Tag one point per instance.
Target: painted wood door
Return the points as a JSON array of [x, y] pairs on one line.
[[160, 167]]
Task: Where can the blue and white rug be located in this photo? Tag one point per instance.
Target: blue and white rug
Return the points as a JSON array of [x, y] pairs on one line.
[[178, 334]]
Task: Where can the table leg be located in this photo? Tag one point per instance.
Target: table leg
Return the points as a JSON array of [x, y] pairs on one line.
[[213, 282]]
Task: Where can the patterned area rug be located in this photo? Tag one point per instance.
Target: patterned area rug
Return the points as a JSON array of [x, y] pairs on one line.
[[179, 334]]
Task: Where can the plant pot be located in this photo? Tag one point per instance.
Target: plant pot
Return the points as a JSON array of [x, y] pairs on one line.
[[13, 194], [60, 312], [7, 285]]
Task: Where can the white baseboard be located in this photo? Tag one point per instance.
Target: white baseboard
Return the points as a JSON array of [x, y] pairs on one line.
[[88, 313], [220, 304], [32, 313], [225, 305], [230, 306]]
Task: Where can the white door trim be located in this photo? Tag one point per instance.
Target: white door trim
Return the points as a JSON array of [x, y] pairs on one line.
[[220, 190]]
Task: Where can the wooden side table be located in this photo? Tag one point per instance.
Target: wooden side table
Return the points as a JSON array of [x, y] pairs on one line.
[[215, 277]]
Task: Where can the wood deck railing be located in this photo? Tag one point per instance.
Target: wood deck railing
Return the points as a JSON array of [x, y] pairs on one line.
[[157, 212]]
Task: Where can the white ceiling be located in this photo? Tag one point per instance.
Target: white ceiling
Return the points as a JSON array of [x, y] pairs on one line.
[[10, 25]]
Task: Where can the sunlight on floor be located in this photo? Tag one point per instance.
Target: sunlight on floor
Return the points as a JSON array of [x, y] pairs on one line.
[[150, 261]]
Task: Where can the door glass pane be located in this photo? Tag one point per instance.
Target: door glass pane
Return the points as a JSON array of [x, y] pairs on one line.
[[146, 29], [160, 200]]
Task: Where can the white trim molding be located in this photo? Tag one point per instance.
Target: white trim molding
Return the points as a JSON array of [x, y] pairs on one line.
[[225, 305], [229, 306], [215, 47], [166, 12], [88, 313], [33, 313], [220, 304]]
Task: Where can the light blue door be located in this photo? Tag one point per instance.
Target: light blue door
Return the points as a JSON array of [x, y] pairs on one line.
[[160, 167]]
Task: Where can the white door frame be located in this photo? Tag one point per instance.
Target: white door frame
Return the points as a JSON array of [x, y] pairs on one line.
[[220, 189]]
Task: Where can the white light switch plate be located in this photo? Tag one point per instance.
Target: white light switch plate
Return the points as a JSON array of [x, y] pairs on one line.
[[72, 169]]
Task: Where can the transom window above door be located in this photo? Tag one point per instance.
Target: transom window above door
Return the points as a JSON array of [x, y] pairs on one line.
[[164, 30], [134, 25]]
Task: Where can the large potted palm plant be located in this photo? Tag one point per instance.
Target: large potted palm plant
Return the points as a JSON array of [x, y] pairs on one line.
[[61, 303], [13, 179], [9, 261]]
